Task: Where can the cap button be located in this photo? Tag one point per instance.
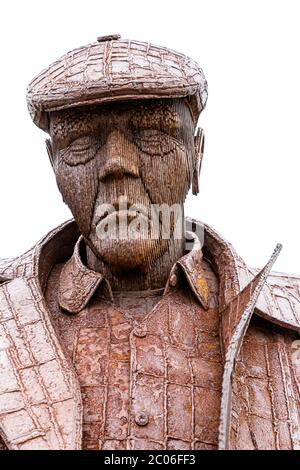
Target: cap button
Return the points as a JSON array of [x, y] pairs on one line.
[[109, 37]]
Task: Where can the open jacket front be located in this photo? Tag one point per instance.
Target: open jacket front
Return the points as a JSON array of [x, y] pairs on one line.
[[40, 396]]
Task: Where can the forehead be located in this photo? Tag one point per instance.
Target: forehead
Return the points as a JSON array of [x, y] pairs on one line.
[[169, 110]]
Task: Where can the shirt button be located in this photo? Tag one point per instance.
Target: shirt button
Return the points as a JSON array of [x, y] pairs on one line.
[[173, 279], [142, 419], [140, 331]]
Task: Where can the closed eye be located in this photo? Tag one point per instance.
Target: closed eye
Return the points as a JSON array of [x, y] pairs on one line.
[[81, 150], [81, 144], [154, 142]]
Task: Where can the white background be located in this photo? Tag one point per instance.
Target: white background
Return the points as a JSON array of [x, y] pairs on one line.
[[249, 51]]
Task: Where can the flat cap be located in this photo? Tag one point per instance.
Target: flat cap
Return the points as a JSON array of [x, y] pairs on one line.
[[113, 69]]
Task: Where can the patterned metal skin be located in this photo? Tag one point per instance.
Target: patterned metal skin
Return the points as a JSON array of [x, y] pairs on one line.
[[82, 366], [178, 357], [114, 70], [38, 390], [40, 405]]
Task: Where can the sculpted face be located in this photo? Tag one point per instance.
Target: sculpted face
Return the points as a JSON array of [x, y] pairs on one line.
[[141, 152]]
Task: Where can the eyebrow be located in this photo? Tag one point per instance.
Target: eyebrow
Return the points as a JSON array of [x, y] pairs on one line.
[[143, 117], [60, 123]]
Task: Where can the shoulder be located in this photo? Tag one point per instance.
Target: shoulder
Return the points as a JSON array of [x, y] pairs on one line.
[[281, 299], [56, 246], [20, 266]]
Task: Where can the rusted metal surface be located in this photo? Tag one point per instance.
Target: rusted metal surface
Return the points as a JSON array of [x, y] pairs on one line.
[[122, 343]]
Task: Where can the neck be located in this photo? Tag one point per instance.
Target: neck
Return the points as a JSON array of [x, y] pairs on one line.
[[137, 280]]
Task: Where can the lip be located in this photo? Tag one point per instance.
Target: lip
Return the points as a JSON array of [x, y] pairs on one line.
[[119, 220], [124, 215], [132, 211]]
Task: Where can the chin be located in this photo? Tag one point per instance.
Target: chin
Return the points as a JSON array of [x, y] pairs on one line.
[[129, 254]]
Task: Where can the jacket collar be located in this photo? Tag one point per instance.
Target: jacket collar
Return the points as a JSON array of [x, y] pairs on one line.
[[78, 283]]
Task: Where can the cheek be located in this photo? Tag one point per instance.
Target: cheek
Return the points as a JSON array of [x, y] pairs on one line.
[[167, 177], [78, 186]]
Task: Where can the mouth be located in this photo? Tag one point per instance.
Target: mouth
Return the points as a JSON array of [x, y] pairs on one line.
[[124, 211]]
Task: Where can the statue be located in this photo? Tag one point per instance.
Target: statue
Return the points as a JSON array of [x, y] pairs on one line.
[[131, 327]]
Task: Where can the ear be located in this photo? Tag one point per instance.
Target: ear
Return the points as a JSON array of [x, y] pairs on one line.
[[199, 149], [49, 151]]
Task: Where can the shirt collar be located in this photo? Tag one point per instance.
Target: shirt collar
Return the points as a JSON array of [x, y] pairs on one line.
[[78, 283]]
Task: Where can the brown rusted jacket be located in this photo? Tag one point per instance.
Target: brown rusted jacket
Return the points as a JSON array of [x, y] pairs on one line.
[[272, 362]]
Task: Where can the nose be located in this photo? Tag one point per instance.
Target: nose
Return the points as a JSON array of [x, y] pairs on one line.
[[118, 157]]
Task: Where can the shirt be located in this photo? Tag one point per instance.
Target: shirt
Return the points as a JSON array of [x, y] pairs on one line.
[[148, 363]]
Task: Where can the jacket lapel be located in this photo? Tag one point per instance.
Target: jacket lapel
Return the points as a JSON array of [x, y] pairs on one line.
[[235, 320]]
